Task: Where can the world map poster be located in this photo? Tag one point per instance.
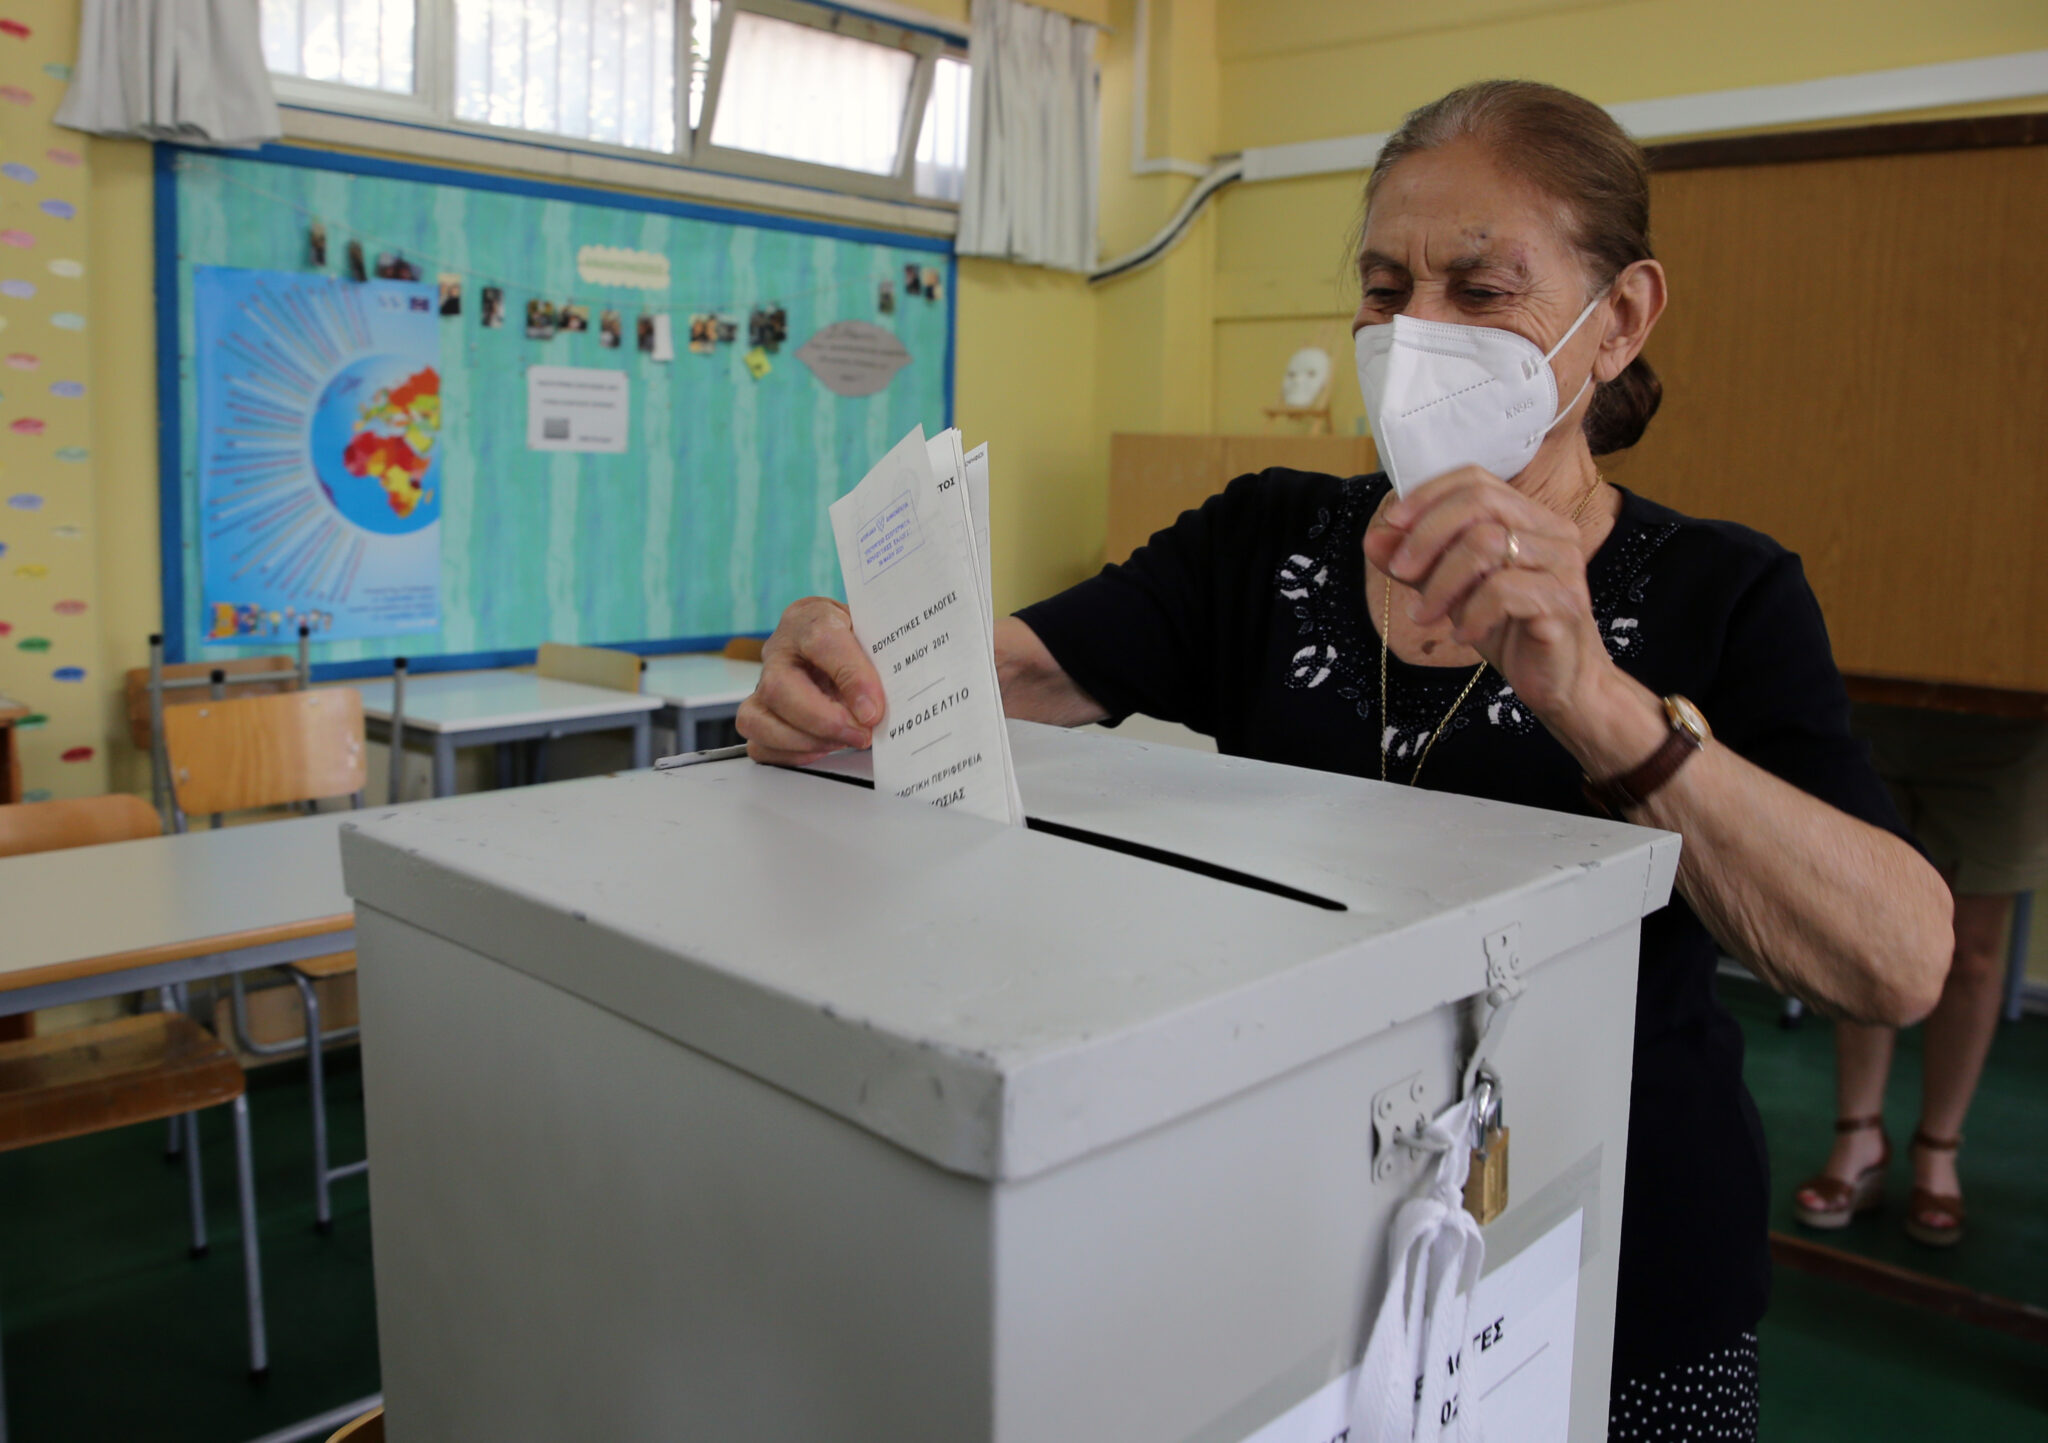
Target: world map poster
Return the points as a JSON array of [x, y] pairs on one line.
[[319, 487]]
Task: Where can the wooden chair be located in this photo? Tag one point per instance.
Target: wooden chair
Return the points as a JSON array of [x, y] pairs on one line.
[[157, 686], [155, 1067], [53, 826], [83, 822], [367, 1429], [267, 751], [590, 665], [743, 648]]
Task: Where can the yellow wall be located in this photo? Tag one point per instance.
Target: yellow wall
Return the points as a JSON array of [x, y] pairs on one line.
[[1296, 70], [50, 617]]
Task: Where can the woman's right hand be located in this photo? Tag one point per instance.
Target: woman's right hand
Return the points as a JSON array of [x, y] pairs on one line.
[[818, 691]]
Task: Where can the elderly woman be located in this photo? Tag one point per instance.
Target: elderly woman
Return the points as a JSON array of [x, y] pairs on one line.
[[1526, 630]]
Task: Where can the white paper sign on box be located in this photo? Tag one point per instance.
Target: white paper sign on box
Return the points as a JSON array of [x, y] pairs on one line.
[[906, 553], [1521, 1322]]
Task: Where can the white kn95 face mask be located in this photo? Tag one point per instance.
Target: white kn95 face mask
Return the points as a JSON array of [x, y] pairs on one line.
[[1441, 395]]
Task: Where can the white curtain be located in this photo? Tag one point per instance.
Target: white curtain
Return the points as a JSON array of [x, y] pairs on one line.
[[1032, 138], [185, 70]]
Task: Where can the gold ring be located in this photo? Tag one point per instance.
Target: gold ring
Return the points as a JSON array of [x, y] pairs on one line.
[[1513, 553]]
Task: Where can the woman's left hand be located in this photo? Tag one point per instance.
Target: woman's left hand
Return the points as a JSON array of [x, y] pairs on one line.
[[1510, 575]]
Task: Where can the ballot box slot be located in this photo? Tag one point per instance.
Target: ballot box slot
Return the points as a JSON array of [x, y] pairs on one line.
[[1213, 870]]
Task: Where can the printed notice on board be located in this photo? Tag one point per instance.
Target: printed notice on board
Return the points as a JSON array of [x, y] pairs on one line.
[[1520, 1325], [907, 553], [576, 408]]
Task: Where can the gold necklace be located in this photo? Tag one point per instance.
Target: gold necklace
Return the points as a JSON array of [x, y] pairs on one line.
[[1386, 645]]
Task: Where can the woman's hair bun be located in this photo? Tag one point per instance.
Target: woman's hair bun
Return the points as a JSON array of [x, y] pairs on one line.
[[1622, 407]]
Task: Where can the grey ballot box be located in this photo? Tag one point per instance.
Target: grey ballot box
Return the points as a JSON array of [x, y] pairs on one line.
[[738, 1103]]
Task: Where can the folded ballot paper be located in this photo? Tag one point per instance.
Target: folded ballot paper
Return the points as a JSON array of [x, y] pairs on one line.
[[913, 548]]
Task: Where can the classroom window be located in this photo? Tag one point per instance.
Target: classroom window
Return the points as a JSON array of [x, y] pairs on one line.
[[703, 23], [365, 43], [942, 139], [810, 95], [821, 95], [602, 70]]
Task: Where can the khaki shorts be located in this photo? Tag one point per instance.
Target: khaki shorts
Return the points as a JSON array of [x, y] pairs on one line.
[[1973, 789]]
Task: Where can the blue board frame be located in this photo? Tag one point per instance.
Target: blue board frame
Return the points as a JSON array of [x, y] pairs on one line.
[[170, 399]]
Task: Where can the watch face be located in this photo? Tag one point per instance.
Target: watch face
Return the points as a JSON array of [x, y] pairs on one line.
[[1687, 717]]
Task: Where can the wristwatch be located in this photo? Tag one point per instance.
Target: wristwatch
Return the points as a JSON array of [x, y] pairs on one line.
[[1689, 732]]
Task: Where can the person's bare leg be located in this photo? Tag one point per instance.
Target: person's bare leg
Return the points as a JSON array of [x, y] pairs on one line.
[[1959, 1033], [1863, 1061]]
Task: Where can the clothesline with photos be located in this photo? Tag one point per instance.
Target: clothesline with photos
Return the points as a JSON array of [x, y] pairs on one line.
[[709, 326]]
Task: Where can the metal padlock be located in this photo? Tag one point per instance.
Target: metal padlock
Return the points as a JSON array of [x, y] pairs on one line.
[[1486, 1182]]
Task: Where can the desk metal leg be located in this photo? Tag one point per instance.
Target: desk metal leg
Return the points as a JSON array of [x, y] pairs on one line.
[[444, 766], [195, 1183], [686, 730], [316, 1076], [643, 744], [252, 1260]]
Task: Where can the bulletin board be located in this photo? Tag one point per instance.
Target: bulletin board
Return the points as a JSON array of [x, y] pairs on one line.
[[713, 516]]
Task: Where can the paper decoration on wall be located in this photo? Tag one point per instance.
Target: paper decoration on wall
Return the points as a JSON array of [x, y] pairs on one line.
[[319, 423], [540, 320], [663, 345], [728, 330], [391, 266], [934, 284], [575, 317], [610, 329], [854, 358], [758, 364], [885, 298], [493, 307], [451, 293], [703, 334], [577, 408], [613, 266], [356, 269], [316, 245]]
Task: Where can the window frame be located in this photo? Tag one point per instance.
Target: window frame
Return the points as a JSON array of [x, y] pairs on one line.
[[901, 183], [431, 104]]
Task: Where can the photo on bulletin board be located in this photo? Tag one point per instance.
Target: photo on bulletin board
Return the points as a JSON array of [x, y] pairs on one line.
[[706, 520]]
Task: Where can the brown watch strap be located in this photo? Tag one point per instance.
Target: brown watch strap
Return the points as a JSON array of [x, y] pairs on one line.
[[1632, 788]]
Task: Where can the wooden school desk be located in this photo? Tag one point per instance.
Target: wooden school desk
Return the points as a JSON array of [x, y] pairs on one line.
[[129, 916], [697, 688], [10, 750], [454, 709]]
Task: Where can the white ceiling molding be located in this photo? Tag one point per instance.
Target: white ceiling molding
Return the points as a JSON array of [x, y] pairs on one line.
[[1840, 97]]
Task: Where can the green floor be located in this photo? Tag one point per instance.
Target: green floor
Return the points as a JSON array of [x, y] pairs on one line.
[[1840, 1364], [111, 1333]]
